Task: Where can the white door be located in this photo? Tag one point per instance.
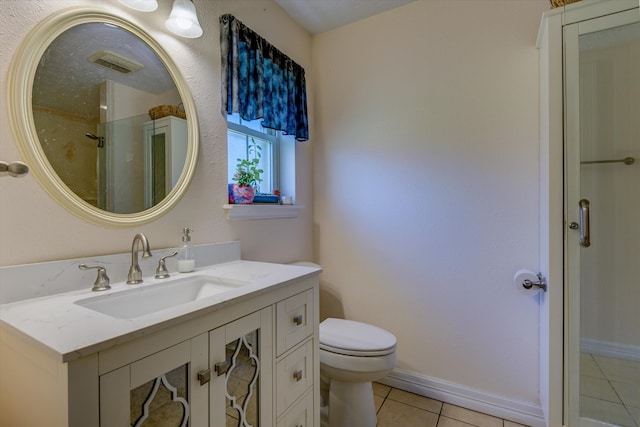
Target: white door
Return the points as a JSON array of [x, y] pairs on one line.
[[602, 215]]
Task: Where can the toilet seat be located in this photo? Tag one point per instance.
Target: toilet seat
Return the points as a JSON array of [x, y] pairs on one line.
[[351, 338]]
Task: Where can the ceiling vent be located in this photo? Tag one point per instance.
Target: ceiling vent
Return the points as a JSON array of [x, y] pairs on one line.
[[115, 61]]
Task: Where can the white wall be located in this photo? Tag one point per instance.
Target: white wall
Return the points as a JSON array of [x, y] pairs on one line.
[[35, 228], [426, 195]]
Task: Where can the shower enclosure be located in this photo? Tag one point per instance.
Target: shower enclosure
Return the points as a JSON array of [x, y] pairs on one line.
[[602, 213], [140, 161]]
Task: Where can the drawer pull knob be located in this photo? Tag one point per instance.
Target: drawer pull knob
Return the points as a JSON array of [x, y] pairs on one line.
[[297, 375], [221, 367], [298, 319], [204, 376]]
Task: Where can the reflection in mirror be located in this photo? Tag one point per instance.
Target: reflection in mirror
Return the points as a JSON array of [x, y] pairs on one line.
[[92, 92], [243, 378], [163, 401]]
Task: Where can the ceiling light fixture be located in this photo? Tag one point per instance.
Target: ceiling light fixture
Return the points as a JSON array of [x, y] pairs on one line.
[[141, 5], [183, 20]]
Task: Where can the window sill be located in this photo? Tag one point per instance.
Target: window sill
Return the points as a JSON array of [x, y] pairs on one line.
[[262, 211]]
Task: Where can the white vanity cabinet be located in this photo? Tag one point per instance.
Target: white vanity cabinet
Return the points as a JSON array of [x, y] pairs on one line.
[[215, 379], [295, 350], [248, 362]]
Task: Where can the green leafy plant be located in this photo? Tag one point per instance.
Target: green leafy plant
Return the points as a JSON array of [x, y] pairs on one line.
[[247, 170]]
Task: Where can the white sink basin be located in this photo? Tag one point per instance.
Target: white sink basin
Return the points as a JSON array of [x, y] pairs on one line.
[[138, 302]]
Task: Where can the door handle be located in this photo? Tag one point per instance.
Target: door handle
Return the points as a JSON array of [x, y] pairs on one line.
[[204, 376], [221, 368], [584, 226]]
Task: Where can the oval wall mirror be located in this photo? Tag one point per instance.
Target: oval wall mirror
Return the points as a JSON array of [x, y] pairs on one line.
[[103, 117]]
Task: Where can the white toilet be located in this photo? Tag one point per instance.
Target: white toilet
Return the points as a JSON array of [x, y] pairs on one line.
[[352, 355]]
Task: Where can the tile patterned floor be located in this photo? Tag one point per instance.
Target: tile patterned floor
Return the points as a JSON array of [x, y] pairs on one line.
[[397, 408], [610, 390]]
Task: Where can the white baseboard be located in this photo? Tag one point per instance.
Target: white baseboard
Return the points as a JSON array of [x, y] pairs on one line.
[[527, 413], [610, 349]]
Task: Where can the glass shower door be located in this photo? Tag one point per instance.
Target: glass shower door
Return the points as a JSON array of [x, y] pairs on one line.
[[602, 203]]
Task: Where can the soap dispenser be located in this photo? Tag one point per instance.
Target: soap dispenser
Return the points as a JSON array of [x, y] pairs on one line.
[[186, 261]]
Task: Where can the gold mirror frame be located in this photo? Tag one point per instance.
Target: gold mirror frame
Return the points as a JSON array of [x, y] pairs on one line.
[[20, 92]]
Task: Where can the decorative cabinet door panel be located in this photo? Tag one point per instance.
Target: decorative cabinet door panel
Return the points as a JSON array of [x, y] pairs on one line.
[[158, 390], [242, 372]]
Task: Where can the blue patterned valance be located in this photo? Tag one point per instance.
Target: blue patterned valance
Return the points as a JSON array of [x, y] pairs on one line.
[[260, 82]]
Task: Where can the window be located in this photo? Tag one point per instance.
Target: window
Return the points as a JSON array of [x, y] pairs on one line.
[[266, 86], [240, 135], [277, 160]]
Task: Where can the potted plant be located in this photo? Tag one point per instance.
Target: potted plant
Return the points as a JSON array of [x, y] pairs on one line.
[[247, 176]]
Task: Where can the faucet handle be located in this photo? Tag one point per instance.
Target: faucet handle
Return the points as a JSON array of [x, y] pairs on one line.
[[102, 281], [161, 271]]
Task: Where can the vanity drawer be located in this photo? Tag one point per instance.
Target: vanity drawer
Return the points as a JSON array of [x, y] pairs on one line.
[[301, 415], [294, 375], [294, 320]]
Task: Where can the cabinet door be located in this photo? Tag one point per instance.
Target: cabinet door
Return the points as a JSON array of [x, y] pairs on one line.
[[241, 356], [165, 155], [160, 389], [294, 320], [301, 415], [294, 376], [157, 178]]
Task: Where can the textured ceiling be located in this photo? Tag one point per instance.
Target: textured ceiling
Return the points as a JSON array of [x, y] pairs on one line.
[[66, 80], [318, 16]]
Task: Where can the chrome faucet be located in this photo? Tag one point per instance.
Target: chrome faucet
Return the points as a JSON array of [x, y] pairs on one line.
[[135, 274]]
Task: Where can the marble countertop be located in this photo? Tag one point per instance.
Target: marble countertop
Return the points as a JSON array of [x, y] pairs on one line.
[[73, 331]]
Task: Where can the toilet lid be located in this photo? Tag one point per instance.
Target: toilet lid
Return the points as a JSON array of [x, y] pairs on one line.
[[355, 338]]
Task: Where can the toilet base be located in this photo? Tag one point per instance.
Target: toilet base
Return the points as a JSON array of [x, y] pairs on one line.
[[351, 404]]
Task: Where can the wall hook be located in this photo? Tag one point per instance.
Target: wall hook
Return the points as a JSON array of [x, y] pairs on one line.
[[15, 169]]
